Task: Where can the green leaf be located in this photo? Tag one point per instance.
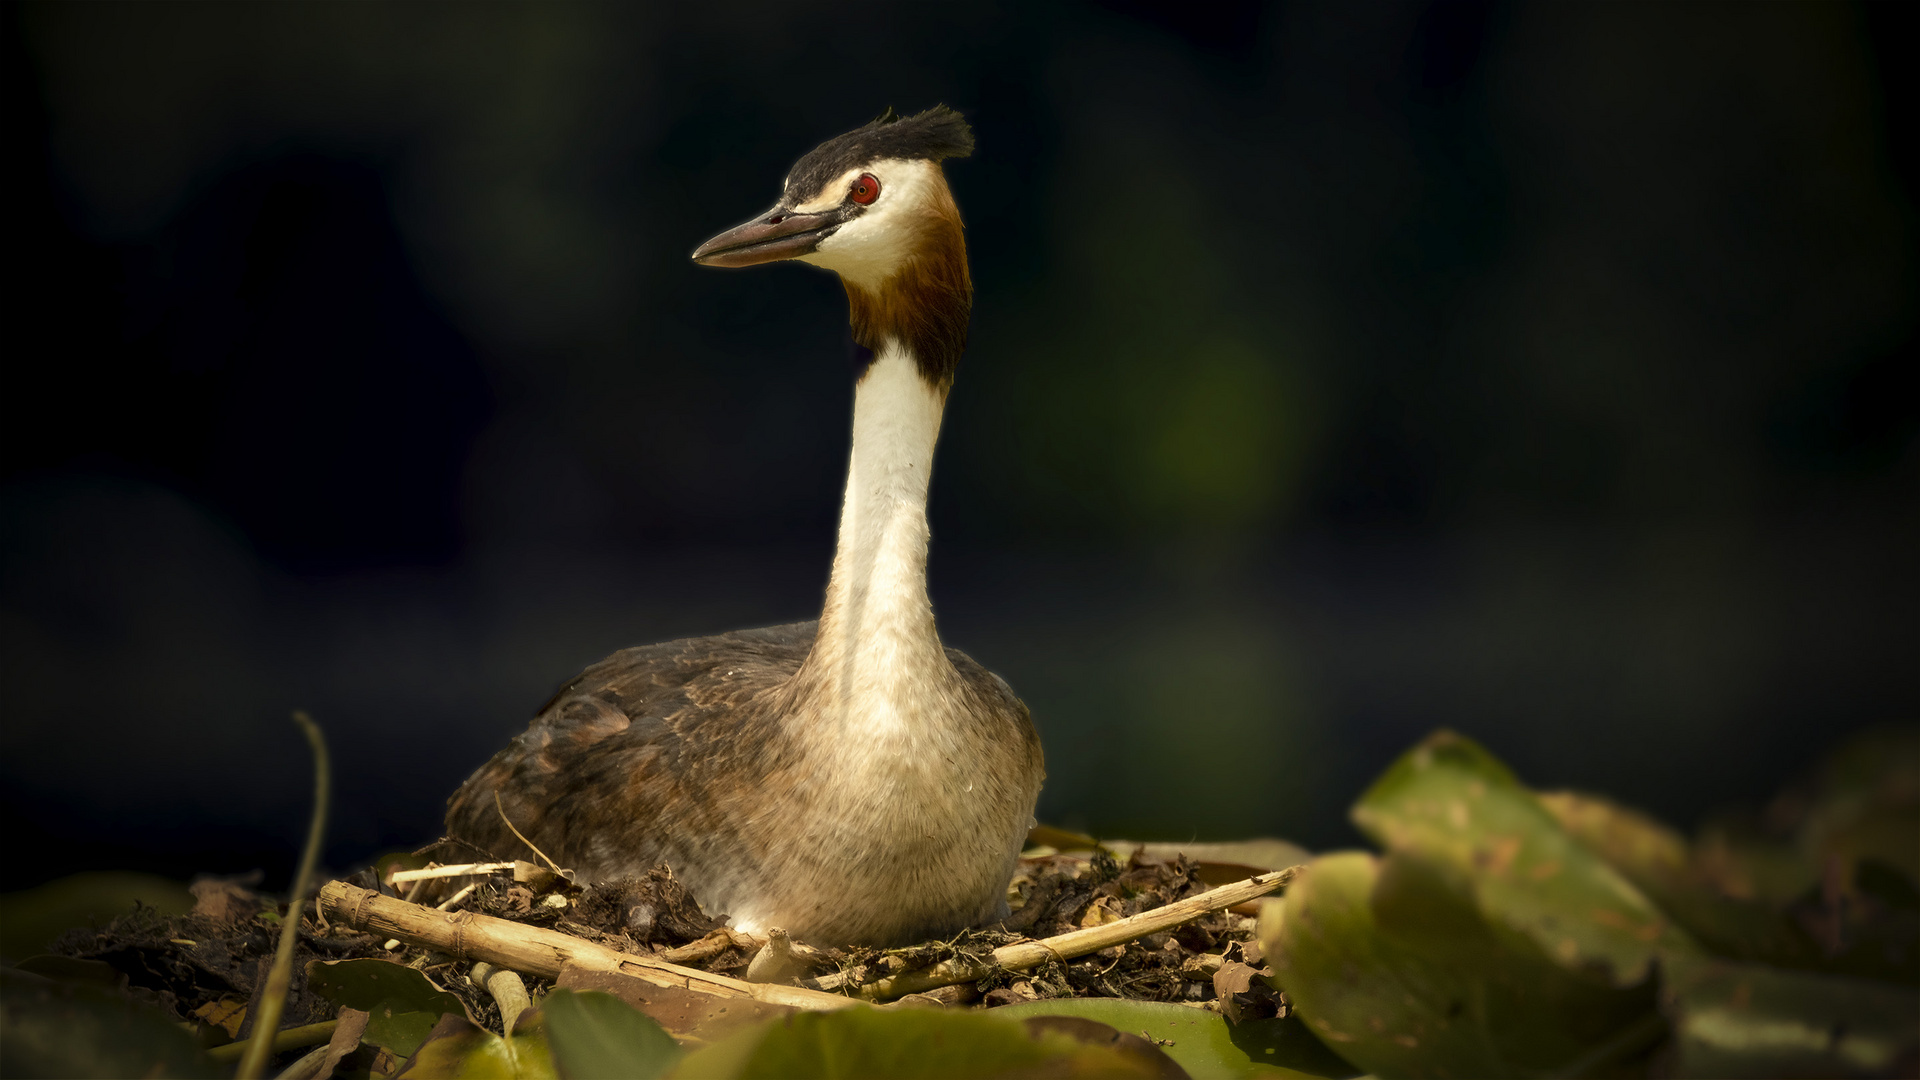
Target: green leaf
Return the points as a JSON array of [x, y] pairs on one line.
[[1453, 804], [904, 1044], [30, 920], [401, 1003], [1867, 803], [1059, 839], [398, 1032], [74, 970], [459, 1050], [1660, 863], [595, 1034], [51, 1028], [1738, 1020], [403, 859], [370, 983], [1202, 1041], [1391, 964]]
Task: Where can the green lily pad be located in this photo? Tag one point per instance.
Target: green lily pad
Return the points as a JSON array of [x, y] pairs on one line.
[[1456, 806], [595, 1034], [458, 1049], [1737, 1020], [1202, 1041], [906, 1044], [1394, 969], [50, 1028]]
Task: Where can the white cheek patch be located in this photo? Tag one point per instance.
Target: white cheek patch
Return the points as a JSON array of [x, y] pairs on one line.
[[873, 246]]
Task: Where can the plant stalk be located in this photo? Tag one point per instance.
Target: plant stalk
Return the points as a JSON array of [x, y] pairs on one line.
[[273, 1001]]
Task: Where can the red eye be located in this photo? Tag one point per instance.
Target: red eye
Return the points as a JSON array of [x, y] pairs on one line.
[[866, 189]]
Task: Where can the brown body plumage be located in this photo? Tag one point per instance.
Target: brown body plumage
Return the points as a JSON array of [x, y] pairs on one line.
[[850, 780]]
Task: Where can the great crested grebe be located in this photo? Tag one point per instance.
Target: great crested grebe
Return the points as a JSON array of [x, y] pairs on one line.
[[850, 780]]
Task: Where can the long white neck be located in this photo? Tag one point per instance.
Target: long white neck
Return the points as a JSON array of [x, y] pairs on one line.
[[877, 652]]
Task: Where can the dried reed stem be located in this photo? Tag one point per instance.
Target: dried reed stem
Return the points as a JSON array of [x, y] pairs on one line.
[[535, 951]]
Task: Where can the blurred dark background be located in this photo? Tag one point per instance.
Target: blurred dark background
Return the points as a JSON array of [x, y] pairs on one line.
[[1338, 372]]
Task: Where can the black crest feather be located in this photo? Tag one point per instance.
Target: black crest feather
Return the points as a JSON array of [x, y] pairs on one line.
[[934, 135]]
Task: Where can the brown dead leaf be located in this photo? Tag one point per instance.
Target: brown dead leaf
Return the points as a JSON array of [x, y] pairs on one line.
[[1012, 994], [345, 1040], [1221, 863], [225, 900], [1100, 912], [1201, 968], [1194, 938], [687, 1015], [1232, 978], [225, 1014], [539, 878]]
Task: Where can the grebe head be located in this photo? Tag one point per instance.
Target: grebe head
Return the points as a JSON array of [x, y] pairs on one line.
[[865, 204]]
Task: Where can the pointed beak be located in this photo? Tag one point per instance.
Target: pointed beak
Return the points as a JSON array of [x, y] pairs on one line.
[[778, 234]]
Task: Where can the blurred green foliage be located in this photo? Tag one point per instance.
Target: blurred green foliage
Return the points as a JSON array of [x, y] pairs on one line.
[[31, 919], [67, 1028], [1506, 933], [401, 1003], [1202, 1041], [457, 1049], [596, 1034]]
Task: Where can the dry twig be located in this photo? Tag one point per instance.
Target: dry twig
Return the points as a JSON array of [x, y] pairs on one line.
[[712, 945], [284, 1040], [508, 992], [1026, 954], [536, 951], [401, 877], [523, 838], [448, 904]]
